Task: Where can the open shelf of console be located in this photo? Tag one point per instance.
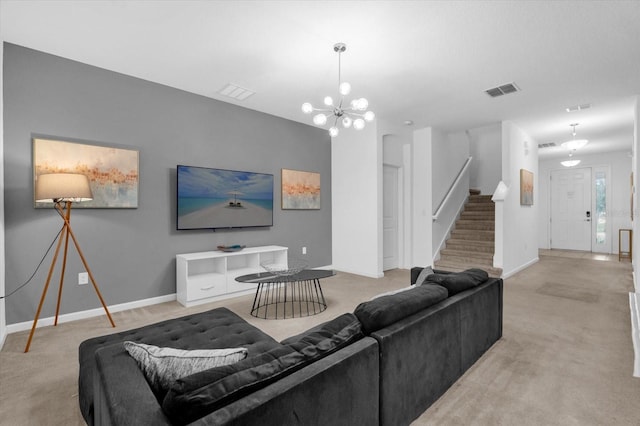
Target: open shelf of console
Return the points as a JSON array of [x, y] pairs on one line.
[[209, 276]]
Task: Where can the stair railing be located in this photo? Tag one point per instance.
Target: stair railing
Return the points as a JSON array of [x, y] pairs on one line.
[[454, 185]]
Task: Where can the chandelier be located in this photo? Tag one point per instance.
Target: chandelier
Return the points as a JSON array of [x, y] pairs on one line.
[[572, 145], [354, 114]]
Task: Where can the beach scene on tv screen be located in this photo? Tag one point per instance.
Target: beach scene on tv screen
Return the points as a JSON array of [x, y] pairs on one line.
[[214, 198]]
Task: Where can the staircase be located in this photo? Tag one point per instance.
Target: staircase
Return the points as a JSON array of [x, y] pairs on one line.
[[472, 241]]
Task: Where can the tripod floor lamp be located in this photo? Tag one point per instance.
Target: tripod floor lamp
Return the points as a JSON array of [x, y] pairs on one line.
[[63, 189]]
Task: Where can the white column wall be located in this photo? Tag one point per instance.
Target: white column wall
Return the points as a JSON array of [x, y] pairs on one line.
[[356, 187], [520, 223], [422, 232]]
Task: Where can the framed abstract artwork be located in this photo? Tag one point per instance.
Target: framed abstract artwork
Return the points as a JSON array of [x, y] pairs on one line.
[[300, 190], [526, 187], [112, 172]]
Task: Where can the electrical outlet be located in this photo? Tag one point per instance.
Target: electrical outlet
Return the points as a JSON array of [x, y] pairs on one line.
[[83, 278], [304, 250]]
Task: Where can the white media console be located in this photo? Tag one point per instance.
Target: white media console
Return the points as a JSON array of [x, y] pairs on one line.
[[209, 276]]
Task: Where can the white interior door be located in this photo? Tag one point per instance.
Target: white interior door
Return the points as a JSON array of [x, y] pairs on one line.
[[390, 218], [571, 209]]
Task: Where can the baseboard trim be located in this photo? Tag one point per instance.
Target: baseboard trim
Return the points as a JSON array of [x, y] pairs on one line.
[[506, 275], [3, 337], [363, 274], [74, 316], [634, 305]]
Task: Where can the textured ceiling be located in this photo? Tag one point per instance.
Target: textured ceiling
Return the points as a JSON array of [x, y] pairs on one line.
[[426, 61]]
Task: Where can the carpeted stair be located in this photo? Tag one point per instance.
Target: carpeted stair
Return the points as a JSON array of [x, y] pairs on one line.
[[472, 241]]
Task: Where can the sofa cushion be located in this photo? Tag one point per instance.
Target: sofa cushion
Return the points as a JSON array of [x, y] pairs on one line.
[[162, 366], [457, 282], [383, 311], [197, 395], [214, 329], [329, 337]]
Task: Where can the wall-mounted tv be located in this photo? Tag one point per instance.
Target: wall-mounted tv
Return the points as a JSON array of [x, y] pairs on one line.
[[216, 198]]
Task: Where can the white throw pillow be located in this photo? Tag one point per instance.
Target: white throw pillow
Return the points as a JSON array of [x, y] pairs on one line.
[[423, 275], [162, 366]]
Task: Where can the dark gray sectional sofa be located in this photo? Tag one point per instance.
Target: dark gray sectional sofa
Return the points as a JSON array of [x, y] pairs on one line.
[[385, 364]]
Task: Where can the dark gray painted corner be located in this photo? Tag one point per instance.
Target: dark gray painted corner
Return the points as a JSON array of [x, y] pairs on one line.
[[131, 252]]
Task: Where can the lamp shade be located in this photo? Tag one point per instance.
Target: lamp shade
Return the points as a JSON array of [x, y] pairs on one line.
[[62, 187]]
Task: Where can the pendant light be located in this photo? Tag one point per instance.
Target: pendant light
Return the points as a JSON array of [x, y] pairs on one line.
[[354, 114]]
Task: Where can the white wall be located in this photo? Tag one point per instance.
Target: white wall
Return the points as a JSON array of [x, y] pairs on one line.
[[486, 167], [421, 216], [617, 193], [449, 154], [520, 223], [356, 186]]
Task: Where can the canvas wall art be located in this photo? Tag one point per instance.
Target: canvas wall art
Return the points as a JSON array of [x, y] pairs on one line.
[[526, 187], [300, 190], [112, 172]]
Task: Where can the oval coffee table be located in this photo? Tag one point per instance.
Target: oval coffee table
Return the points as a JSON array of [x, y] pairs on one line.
[[287, 296]]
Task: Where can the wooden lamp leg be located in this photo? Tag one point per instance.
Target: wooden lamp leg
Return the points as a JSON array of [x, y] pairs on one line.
[[46, 287], [67, 224], [64, 234]]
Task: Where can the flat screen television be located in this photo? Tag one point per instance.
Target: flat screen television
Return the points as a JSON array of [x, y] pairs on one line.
[[216, 198]]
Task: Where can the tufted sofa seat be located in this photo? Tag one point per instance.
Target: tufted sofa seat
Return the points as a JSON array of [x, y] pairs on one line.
[[218, 328], [313, 378]]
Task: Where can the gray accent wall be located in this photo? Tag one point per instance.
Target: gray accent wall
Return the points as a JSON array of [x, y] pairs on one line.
[[131, 252]]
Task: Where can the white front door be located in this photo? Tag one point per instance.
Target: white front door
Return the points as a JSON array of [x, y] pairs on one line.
[[390, 218], [571, 209]]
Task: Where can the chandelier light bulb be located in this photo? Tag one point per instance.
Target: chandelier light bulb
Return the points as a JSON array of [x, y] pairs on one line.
[[345, 88], [319, 120], [349, 113], [307, 108]]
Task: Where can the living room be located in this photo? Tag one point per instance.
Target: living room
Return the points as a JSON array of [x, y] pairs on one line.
[[132, 251]]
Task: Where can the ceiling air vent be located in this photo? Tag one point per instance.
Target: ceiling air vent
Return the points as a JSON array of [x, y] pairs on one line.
[[575, 108], [235, 92], [505, 89], [546, 145]]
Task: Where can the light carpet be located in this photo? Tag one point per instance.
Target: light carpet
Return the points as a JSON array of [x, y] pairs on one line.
[[565, 357]]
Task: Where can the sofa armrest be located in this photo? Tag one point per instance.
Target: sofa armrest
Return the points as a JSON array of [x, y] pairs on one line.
[[122, 395], [340, 389], [419, 360]]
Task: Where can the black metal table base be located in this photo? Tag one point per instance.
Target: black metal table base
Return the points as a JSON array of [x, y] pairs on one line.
[[288, 299]]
